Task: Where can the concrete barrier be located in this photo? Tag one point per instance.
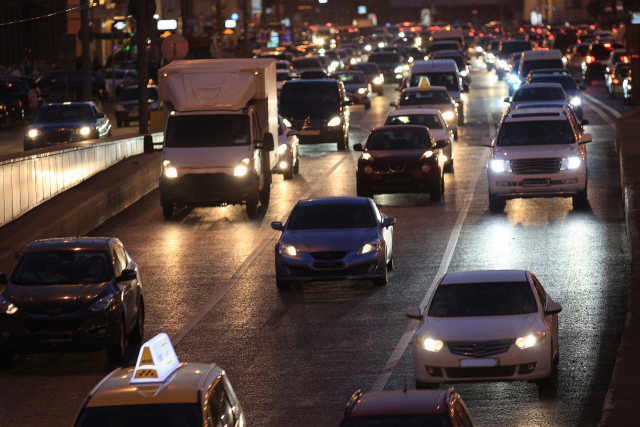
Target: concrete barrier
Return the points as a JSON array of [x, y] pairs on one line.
[[30, 178]]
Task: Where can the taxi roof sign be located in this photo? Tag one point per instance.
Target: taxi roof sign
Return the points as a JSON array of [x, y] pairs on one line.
[[157, 360], [424, 83]]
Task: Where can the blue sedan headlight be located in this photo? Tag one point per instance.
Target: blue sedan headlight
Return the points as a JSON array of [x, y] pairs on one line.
[[370, 247]]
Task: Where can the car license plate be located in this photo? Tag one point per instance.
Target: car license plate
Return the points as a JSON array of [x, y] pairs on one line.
[[309, 132], [478, 363]]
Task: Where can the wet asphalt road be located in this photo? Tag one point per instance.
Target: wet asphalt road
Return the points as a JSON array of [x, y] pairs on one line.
[[296, 356]]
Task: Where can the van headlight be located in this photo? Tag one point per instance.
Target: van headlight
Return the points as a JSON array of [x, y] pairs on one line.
[[171, 172], [398, 70], [378, 80], [334, 122], [448, 115], [499, 165], [575, 101], [282, 148], [241, 169], [368, 248], [570, 163], [33, 133]]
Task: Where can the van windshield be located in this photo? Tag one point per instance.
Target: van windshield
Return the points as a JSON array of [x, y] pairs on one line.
[[208, 130]]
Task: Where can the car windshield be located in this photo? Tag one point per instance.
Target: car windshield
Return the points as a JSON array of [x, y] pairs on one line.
[[567, 82], [399, 140], [164, 415], [306, 63], [549, 72], [207, 130], [539, 64], [448, 80], [511, 47], [300, 93], [483, 299], [351, 78], [538, 94], [64, 113], [63, 267], [432, 121], [131, 94], [398, 421], [536, 132], [426, 97], [331, 216], [280, 77], [385, 58]]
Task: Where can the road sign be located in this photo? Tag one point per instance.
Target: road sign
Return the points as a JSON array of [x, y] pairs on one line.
[[175, 47]]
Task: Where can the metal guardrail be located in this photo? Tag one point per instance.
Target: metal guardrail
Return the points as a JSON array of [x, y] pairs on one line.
[[31, 178]]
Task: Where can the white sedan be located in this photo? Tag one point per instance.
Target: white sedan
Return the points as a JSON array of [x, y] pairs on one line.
[[494, 325], [288, 155], [431, 118]]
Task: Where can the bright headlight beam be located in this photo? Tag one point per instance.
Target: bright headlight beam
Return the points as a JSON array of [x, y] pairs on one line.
[[526, 342], [33, 133], [171, 172], [282, 148], [334, 122], [362, 91], [576, 101], [84, 131], [240, 170], [499, 165], [432, 345], [286, 122], [448, 115]]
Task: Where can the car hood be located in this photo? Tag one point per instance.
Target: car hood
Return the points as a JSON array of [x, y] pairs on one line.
[[442, 107], [330, 240], [65, 297], [397, 155], [206, 157], [535, 151], [478, 328], [315, 111]]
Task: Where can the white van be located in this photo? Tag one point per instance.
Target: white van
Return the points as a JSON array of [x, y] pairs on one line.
[[441, 72], [539, 60]]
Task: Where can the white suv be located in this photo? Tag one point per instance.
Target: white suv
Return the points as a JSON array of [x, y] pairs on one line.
[[538, 152]]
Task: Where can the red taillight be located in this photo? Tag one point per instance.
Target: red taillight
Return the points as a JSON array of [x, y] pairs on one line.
[[533, 30], [406, 24], [551, 37], [521, 30], [593, 27], [607, 45], [401, 29], [497, 29], [539, 30], [615, 81], [418, 28], [624, 59], [589, 59], [470, 34], [481, 34]]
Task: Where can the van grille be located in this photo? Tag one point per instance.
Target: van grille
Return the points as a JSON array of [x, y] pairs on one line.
[[531, 166]]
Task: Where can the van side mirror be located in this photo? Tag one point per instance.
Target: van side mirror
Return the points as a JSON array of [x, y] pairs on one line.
[[414, 313], [277, 225], [587, 137], [357, 146], [267, 143], [392, 104], [486, 141], [553, 308]]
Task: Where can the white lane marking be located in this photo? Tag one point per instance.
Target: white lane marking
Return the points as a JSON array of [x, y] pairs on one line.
[[245, 265], [604, 116], [614, 112], [404, 341]]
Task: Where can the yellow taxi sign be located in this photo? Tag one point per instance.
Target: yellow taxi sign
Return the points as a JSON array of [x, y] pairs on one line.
[[424, 83], [156, 361]]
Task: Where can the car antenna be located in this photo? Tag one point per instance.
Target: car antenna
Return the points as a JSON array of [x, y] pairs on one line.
[[405, 383]]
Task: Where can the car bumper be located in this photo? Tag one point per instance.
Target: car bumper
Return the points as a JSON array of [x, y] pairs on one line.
[[407, 181], [208, 189], [352, 266], [512, 365], [358, 98], [320, 135], [561, 184]]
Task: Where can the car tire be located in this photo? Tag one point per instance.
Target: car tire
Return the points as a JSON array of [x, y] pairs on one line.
[[496, 204], [580, 200], [115, 352], [390, 264], [167, 210], [460, 118], [435, 193], [296, 167], [551, 380], [455, 134], [367, 105], [137, 334], [381, 92], [343, 143], [363, 192], [448, 166], [282, 284], [426, 386], [265, 193], [252, 206], [381, 281]]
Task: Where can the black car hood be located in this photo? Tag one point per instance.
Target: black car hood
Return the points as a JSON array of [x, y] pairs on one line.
[[46, 127], [315, 111], [65, 297]]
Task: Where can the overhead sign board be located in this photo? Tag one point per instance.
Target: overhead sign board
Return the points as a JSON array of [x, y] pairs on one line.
[[229, 23], [167, 24]]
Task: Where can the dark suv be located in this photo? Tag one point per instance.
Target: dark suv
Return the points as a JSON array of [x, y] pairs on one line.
[[317, 109], [425, 408]]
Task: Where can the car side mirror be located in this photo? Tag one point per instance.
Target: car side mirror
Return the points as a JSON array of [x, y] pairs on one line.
[[584, 122], [582, 87], [486, 141], [442, 143], [507, 99], [127, 276], [292, 132], [267, 143], [587, 137], [357, 147], [392, 104], [452, 127], [3, 279], [414, 313], [553, 308], [277, 225], [388, 222]]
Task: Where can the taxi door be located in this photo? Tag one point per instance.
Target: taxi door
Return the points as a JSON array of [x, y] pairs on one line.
[[219, 411]]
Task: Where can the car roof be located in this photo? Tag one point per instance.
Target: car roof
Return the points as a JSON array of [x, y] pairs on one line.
[[306, 81], [349, 72], [183, 386], [541, 54], [447, 52], [540, 85], [549, 70], [400, 402], [57, 104], [419, 89], [432, 64], [407, 111], [334, 201], [484, 276], [69, 243]]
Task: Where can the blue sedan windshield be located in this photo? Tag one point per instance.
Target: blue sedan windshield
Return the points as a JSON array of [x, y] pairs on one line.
[[325, 217], [65, 113]]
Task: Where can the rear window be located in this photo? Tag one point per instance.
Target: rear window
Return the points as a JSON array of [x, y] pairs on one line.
[[331, 216], [424, 98], [351, 78], [399, 140], [282, 66], [539, 94], [460, 62], [384, 58], [432, 121], [537, 132], [300, 93], [582, 49], [567, 82], [367, 69], [511, 47], [445, 46], [483, 299], [539, 64], [601, 51]]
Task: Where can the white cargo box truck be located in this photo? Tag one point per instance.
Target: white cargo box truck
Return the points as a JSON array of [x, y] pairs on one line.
[[220, 121]]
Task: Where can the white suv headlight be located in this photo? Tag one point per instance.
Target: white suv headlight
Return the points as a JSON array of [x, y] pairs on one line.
[[398, 70], [33, 133], [499, 165], [362, 90], [575, 101], [334, 122], [448, 115], [84, 131], [570, 163]]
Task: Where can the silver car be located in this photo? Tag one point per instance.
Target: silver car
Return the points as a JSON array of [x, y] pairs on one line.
[[334, 238]]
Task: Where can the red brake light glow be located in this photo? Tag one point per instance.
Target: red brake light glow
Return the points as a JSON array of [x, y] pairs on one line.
[[615, 81], [497, 29], [624, 59], [589, 59], [406, 24], [607, 45]]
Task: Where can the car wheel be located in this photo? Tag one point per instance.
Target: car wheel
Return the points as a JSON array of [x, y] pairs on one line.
[[381, 92], [580, 200], [136, 336], [288, 174], [363, 192], [265, 193], [252, 206], [367, 105], [460, 119], [344, 143], [282, 284], [496, 204], [436, 190], [442, 184], [381, 281], [115, 352], [6, 357], [426, 386], [552, 379], [167, 210], [448, 166], [455, 134], [296, 167]]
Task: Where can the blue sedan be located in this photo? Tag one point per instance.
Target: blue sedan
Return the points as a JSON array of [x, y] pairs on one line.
[[334, 238], [65, 123]]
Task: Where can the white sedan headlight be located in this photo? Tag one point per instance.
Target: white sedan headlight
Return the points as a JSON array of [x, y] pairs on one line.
[[334, 122], [33, 133], [531, 340], [288, 250], [499, 165], [398, 70], [448, 115], [575, 101], [570, 163], [430, 344], [282, 148], [84, 131], [368, 248]]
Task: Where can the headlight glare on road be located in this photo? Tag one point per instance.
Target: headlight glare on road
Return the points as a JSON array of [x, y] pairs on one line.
[[334, 122], [448, 115], [575, 101], [171, 172], [499, 165], [362, 91], [282, 148], [33, 133], [526, 342], [398, 70], [288, 250], [570, 163], [286, 122], [84, 131], [430, 344], [368, 247], [102, 304]]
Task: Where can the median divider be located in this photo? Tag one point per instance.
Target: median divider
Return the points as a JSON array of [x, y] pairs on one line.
[[620, 404]]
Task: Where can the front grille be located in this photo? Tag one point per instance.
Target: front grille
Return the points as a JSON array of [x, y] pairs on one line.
[[351, 271], [311, 123], [53, 325], [536, 182], [396, 177], [57, 137], [479, 349], [328, 255], [530, 166], [498, 371]]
